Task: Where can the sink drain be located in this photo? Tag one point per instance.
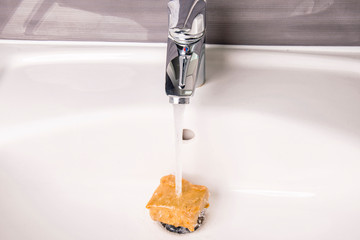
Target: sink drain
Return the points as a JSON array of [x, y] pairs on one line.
[[183, 230]]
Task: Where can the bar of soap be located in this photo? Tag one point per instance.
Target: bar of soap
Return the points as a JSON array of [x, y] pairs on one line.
[[182, 211]]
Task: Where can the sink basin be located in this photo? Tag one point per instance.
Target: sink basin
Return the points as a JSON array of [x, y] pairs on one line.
[[86, 132]]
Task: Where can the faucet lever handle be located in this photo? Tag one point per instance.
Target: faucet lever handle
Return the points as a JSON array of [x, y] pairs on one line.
[[184, 62]]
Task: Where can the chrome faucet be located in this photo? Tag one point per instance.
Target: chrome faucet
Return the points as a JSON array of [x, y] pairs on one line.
[[185, 61]]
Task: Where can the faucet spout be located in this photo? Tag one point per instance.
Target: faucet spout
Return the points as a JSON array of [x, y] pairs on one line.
[[179, 100], [185, 61]]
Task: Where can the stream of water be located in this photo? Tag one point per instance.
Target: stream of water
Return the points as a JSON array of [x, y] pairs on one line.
[[179, 110]]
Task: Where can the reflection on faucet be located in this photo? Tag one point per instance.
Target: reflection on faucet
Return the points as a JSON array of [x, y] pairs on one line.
[[185, 63]]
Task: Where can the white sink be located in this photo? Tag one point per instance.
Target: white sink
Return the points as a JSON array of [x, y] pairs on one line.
[[86, 132]]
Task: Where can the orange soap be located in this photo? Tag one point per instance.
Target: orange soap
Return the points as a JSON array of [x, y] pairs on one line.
[[183, 211]]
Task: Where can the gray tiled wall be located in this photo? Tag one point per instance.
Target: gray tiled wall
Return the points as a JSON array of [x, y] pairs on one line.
[[265, 22]]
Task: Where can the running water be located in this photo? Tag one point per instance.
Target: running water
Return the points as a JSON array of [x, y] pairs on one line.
[[179, 110]]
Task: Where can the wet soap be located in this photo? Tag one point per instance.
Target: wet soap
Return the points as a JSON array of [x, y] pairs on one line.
[[182, 211]]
